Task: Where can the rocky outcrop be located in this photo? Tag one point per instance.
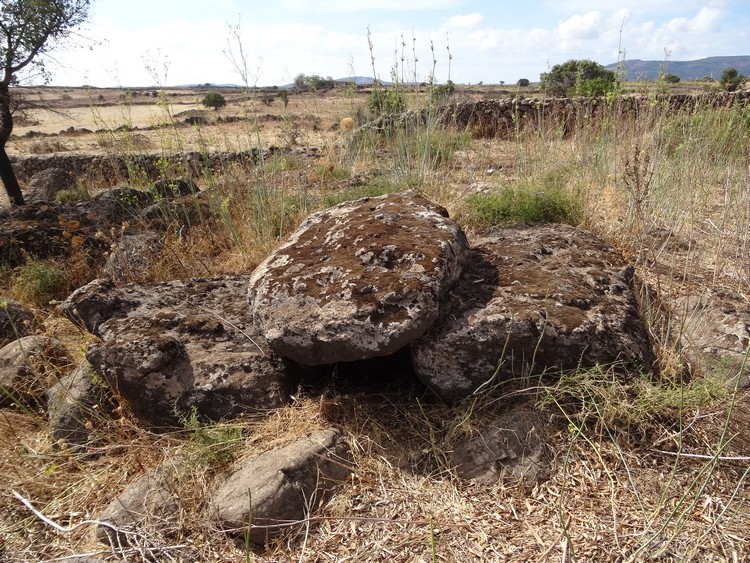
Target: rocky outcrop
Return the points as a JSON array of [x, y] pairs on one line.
[[172, 347], [358, 280], [537, 300], [16, 321], [281, 487], [28, 367]]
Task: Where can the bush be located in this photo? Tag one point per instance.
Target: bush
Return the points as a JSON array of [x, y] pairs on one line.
[[523, 82], [71, 196], [442, 92], [594, 87], [284, 96], [578, 77], [214, 100], [39, 281], [386, 102], [670, 78]]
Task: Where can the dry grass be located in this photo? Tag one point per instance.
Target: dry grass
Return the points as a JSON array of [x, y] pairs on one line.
[[656, 470]]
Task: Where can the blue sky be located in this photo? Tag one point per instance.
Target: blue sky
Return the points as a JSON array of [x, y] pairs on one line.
[[172, 42]]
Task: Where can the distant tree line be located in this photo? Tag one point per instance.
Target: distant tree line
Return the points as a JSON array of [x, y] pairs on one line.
[[304, 83]]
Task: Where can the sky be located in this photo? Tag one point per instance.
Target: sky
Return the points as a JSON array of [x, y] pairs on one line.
[[177, 42]]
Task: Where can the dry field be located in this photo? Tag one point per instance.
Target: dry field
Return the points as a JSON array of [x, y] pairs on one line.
[[652, 469]]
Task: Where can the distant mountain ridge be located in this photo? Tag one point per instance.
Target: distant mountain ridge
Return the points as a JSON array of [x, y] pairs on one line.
[[636, 69]]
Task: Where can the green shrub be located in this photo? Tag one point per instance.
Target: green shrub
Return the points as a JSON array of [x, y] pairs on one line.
[[595, 86], [72, 196], [441, 93], [39, 281], [386, 102]]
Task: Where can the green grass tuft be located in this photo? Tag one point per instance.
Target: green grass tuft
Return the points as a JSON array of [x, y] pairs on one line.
[[523, 203]]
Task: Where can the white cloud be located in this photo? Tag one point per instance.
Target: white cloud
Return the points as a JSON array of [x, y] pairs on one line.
[[587, 26], [464, 21], [706, 21]]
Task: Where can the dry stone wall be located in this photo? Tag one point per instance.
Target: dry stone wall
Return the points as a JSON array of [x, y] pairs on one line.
[[118, 168], [490, 118]]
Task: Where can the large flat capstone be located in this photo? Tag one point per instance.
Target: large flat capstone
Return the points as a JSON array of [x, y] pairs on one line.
[[534, 301], [358, 280]]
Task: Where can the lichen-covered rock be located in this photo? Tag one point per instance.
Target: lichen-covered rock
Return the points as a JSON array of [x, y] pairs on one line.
[[133, 256], [358, 280], [715, 333], [536, 300], [16, 321], [28, 366], [170, 347], [281, 486]]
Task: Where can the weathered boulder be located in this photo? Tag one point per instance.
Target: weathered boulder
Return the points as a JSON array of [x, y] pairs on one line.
[[16, 321], [151, 501], [133, 256], [512, 447], [714, 330], [73, 404], [45, 184], [28, 366], [358, 280], [534, 300], [117, 205], [281, 486], [170, 347]]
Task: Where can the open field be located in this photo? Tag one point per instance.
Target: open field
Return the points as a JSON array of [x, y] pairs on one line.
[[652, 468]]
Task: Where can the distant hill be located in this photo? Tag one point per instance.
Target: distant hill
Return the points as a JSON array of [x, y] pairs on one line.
[[637, 69]]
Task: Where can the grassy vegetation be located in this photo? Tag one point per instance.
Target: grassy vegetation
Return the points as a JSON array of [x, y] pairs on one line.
[[645, 465]]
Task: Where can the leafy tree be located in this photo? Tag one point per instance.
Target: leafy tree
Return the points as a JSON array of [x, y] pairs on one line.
[[671, 78], [29, 29], [214, 100], [523, 82], [578, 77], [731, 80], [300, 82]]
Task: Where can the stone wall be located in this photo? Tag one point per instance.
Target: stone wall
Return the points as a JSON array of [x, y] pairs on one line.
[[490, 118], [113, 169]]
